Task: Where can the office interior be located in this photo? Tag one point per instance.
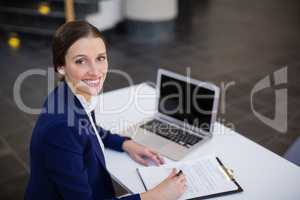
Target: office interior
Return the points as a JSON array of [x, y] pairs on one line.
[[233, 44]]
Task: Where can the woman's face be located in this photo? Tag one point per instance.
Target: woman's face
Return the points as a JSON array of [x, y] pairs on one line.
[[86, 65]]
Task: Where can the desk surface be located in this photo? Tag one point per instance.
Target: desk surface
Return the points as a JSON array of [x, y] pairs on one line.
[[263, 174]]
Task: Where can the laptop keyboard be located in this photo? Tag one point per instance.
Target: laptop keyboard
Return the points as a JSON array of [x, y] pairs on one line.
[[171, 133]]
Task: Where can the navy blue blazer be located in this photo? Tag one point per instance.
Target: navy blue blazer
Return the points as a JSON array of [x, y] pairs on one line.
[[66, 160]]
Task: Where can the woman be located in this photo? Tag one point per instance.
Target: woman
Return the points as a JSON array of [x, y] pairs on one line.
[[67, 154]]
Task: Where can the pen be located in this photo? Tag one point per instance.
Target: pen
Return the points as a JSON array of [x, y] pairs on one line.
[[180, 172], [227, 171]]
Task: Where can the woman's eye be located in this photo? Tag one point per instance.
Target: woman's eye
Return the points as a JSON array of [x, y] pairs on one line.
[[79, 61], [101, 58]]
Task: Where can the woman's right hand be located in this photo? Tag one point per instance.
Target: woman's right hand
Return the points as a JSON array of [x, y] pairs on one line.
[[169, 189]]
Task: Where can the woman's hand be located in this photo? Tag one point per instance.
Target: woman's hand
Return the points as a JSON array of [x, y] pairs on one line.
[[141, 154], [169, 189]]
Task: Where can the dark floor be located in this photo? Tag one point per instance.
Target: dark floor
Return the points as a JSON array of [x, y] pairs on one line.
[[221, 41]]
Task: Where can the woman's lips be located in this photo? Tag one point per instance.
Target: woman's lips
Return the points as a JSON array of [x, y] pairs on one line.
[[92, 83]]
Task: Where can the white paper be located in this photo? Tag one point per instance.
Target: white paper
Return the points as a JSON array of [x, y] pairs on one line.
[[204, 177]]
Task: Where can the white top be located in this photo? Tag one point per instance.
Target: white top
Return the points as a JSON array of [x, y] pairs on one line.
[[261, 173]]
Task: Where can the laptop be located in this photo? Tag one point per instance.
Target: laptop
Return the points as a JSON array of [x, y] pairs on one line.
[[186, 111]]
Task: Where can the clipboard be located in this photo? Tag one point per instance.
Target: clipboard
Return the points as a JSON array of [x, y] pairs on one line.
[[229, 174]]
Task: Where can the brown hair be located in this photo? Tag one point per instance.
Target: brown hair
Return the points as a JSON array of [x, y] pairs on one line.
[[66, 35]]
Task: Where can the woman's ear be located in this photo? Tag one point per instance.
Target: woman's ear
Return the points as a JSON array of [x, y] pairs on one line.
[[61, 71]]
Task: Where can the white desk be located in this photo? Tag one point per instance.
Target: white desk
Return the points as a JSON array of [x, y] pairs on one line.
[[262, 174]]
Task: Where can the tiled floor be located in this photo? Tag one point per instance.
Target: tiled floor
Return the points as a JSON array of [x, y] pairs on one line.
[[221, 41]]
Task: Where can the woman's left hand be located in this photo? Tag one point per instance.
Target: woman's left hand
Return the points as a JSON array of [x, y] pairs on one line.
[[142, 154]]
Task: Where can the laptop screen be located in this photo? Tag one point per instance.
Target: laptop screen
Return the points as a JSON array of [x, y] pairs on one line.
[[186, 102]]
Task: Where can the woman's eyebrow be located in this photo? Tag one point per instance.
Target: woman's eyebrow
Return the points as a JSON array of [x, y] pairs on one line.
[[80, 55], [101, 54]]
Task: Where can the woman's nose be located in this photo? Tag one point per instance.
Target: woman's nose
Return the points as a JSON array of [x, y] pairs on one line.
[[97, 69]]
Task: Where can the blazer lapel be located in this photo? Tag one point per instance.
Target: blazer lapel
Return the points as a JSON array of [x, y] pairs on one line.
[[95, 143], [97, 149]]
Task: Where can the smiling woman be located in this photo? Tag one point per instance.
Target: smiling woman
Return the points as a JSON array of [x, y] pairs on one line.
[[81, 57], [67, 150]]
